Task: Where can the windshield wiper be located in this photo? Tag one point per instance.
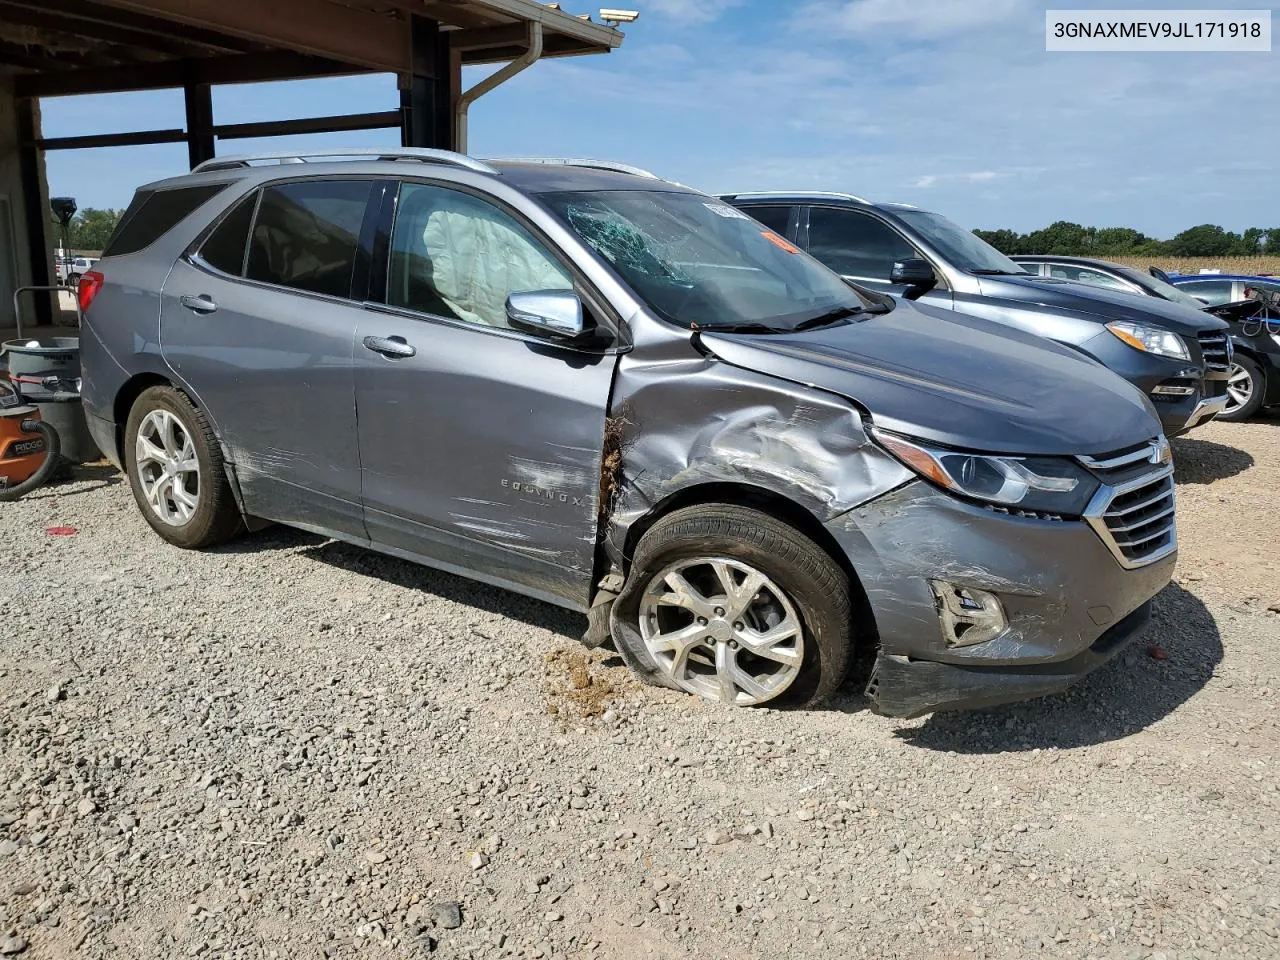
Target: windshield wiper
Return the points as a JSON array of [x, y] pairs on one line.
[[740, 328], [1000, 273], [840, 313]]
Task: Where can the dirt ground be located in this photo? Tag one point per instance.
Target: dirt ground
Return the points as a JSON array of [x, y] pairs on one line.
[[294, 748]]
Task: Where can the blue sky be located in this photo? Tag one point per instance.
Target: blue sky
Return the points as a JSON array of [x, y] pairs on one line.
[[951, 104]]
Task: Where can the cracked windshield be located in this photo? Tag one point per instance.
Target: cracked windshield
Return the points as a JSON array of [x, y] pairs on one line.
[[703, 264]]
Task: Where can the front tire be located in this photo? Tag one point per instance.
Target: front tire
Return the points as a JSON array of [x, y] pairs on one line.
[[730, 604], [176, 471], [1246, 390]]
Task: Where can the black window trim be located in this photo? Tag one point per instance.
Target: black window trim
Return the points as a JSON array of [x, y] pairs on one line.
[[592, 299], [192, 253]]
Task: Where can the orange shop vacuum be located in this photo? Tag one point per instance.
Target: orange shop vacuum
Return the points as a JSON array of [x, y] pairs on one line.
[[29, 447]]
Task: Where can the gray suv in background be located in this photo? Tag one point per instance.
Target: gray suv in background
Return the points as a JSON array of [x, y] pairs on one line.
[[589, 385], [1178, 357]]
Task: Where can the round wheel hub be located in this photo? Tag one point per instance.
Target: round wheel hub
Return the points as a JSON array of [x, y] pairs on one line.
[[168, 469], [722, 629]]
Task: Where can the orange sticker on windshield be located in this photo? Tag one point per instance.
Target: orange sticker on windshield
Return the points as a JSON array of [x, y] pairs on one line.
[[781, 242]]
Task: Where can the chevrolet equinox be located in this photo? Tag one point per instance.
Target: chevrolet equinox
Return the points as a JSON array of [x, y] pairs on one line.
[[589, 385]]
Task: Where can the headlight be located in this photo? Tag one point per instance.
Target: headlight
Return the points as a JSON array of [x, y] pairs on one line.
[[1165, 343], [1042, 484]]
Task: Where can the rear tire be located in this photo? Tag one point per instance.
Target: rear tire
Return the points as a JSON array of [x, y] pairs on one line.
[[730, 604], [176, 471], [1246, 389]]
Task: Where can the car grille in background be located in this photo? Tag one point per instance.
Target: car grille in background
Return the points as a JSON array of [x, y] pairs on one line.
[[1214, 346], [1134, 512]]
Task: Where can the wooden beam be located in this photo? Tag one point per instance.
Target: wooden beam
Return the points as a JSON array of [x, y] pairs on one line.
[[281, 128], [552, 46], [88, 16], [554, 21], [316, 27], [111, 33], [482, 37], [32, 195], [112, 140], [242, 68]]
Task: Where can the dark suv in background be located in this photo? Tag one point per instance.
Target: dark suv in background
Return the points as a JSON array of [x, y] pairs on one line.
[[1178, 357], [1254, 378]]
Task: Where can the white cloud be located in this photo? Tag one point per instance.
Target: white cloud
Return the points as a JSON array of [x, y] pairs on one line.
[[977, 176], [982, 125], [921, 18], [687, 12]]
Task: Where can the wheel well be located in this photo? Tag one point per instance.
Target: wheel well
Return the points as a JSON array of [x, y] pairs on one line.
[[790, 512], [125, 398]]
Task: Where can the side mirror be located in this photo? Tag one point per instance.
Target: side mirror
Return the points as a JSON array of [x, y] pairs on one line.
[[1158, 274], [554, 314], [914, 273]]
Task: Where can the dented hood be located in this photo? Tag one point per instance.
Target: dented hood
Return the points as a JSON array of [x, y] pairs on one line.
[[958, 381]]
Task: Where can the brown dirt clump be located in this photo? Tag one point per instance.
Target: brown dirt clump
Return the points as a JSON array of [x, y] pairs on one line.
[[577, 682]]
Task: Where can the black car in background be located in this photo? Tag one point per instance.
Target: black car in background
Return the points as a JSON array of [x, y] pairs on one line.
[[1178, 357], [1255, 329]]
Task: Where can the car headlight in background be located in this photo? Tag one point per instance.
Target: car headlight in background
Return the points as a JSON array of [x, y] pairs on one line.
[[1041, 484], [1164, 343]]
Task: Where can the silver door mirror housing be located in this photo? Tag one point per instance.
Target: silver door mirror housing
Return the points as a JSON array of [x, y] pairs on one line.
[[554, 314]]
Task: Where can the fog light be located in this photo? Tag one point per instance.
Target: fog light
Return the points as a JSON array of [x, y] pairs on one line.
[[968, 616], [1167, 390]]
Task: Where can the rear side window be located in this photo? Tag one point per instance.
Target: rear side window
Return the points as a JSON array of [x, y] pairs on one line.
[[775, 218], [224, 248], [153, 213], [307, 234]]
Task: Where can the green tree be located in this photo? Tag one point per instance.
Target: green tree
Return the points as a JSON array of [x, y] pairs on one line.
[[1006, 241], [1063, 238], [1272, 242], [1251, 242], [1205, 240], [1118, 241], [91, 227]]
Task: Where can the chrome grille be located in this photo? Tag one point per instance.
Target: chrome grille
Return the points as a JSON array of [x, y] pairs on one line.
[[1134, 511], [1216, 349]]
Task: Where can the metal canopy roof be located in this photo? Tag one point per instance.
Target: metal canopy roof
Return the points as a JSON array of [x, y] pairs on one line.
[[58, 47]]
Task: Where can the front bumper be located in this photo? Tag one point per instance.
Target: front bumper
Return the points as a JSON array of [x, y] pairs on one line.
[[1065, 596], [1206, 387], [1206, 409], [903, 687]]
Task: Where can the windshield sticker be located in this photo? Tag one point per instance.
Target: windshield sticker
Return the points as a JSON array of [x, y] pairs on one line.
[[780, 242], [726, 211]]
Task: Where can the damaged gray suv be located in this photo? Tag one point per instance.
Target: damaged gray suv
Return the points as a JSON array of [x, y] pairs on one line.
[[589, 385]]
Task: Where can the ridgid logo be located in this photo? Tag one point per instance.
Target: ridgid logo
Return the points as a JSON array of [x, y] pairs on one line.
[[1169, 31]]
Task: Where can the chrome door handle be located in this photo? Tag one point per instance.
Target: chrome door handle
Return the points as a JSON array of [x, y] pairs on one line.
[[200, 304], [394, 347]]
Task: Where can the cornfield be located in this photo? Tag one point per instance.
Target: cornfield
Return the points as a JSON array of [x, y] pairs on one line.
[[1247, 266]]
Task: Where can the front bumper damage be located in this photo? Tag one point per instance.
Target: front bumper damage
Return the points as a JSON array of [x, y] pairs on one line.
[[903, 687], [1069, 604]]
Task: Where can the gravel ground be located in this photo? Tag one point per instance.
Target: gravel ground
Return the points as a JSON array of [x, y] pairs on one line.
[[294, 748]]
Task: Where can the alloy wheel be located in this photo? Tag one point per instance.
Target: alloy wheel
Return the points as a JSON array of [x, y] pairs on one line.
[[168, 469], [723, 630], [1239, 388]]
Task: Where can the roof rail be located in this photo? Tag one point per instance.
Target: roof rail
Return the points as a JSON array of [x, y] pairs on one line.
[[762, 194], [420, 154], [583, 162]]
